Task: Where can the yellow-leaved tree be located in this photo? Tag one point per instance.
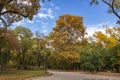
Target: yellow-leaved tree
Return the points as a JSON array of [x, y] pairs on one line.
[[68, 31]]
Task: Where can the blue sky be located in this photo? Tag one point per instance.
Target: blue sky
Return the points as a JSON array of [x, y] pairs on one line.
[[94, 17]]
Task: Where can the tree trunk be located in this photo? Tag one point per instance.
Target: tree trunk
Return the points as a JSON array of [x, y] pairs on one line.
[[117, 68], [0, 59], [46, 63], [23, 60], [37, 59], [20, 67]]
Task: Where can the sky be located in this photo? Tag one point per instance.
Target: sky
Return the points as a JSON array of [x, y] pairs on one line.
[[95, 17]]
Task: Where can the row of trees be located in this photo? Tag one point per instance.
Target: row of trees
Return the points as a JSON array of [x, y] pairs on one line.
[[20, 50], [101, 52], [66, 47]]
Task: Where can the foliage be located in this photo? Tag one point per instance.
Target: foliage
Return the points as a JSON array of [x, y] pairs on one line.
[[105, 40], [14, 10], [7, 43], [64, 60], [24, 36], [68, 30], [114, 32], [66, 48], [7, 38]]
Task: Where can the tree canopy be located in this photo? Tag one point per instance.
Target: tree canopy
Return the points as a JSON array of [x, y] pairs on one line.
[[68, 30], [14, 10]]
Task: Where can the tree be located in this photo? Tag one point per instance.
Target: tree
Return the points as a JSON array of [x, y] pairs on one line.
[[113, 5], [15, 10], [68, 31], [41, 50], [110, 44], [7, 43], [24, 36], [90, 56], [106, 41], [40, 45], [114, 32]]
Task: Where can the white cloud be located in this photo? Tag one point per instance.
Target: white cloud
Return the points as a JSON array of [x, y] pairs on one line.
[[31, 22], [42, 15], [91, 29], [44, 23], [49, 10], [44, 31], [22, 22], [47, 13]]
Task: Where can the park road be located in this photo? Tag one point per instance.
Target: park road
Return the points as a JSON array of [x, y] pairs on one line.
[[74, 76]]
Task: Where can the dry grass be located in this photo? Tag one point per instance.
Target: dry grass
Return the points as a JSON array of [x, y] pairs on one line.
[[20, 75]]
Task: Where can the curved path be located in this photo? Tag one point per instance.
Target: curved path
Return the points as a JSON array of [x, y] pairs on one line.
[[75, 76]]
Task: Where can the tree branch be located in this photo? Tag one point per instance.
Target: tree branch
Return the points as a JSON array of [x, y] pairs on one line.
[[1, 5], [112, 7], [3, 21], [15, 12], [114, 10]]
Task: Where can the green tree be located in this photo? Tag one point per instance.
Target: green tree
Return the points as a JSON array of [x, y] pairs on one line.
[[90, 57], [110, 43], [41, 50], [7, 43], [24, 36]]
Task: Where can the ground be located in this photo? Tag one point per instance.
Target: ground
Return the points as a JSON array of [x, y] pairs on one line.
[[20, 74], [57, 75]]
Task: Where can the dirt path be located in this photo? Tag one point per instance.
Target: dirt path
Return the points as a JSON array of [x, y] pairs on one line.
[[75, 76]]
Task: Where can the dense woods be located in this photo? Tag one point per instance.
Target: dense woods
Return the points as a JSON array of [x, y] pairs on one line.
[[66, 48]]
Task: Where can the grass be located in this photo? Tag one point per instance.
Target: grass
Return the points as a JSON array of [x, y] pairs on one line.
[[21, 74]]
